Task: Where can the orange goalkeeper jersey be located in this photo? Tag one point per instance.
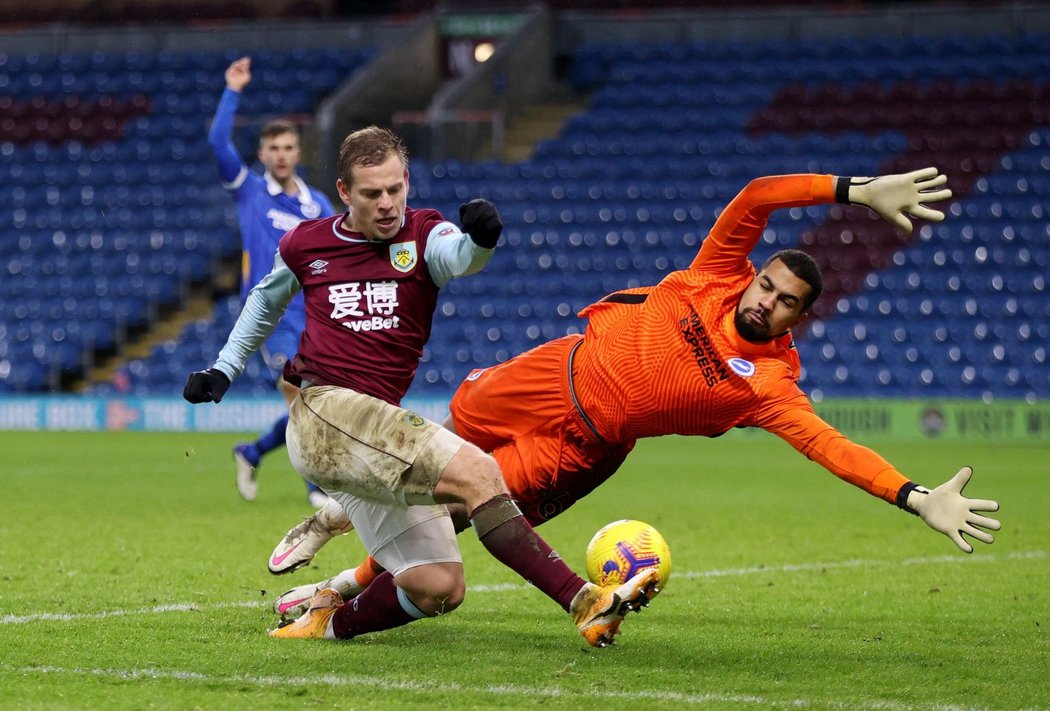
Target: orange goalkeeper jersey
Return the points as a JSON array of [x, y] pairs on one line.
[[667, 359]]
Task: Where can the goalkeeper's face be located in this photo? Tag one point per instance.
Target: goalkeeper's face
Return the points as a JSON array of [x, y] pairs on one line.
[[771, 304]]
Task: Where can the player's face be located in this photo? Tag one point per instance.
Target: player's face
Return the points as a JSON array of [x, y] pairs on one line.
[[280, 155], [376, 198], [771, 304]]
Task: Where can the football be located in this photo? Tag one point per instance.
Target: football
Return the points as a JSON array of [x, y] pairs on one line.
[[621, 549]]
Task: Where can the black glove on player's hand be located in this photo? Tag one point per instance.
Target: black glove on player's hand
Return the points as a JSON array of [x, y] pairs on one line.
[[206, 386], [481, 221]]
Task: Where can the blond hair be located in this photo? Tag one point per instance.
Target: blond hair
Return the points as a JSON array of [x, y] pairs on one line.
[[369, 147]]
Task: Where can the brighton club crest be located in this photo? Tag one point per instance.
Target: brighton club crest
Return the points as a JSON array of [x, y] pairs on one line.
[[403, 256]]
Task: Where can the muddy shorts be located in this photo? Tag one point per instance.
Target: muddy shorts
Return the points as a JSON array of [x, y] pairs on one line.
[[345, 441]]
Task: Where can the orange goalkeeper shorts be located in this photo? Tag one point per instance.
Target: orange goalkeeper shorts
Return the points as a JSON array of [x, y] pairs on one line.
[[522, 412]]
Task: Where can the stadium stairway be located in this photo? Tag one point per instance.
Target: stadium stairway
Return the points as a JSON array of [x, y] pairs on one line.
[[171, 327], [535, 124]]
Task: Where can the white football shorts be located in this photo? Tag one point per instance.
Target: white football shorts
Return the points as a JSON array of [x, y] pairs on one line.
[[400, 537]]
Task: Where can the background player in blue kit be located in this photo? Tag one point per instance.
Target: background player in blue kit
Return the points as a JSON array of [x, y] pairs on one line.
[[268, 205]]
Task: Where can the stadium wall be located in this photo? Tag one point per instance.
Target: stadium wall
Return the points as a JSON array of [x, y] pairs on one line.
[[904, 420], [898, 19], [570, 28], [157, 414], [245, 36]]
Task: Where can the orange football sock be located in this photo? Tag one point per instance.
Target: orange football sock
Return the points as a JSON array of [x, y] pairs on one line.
[[365, 573]]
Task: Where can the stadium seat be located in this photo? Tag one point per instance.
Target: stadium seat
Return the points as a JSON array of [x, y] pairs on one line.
[[623, 195], [110, 169]]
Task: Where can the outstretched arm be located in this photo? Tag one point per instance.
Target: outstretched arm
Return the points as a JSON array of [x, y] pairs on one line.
[[220, 136], [944, 509], [740, 226], [262, 310], [451, 253]]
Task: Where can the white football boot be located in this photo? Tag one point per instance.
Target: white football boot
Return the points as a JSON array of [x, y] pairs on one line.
[[349, 583], [316, 622], [246, 461], [300, 545]]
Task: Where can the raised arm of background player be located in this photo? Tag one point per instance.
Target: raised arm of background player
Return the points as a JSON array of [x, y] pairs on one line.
[[789, 414], [452, 254], [220, 135]]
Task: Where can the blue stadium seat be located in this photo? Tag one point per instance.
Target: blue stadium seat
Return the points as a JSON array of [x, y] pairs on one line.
[[620, 198]]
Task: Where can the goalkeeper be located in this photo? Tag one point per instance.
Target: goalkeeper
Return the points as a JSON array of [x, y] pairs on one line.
[[707, 349]]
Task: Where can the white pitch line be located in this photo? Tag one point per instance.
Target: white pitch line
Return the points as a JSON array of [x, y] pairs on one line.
[[500, 690], [504, 587], [69, 617], [861, 563]]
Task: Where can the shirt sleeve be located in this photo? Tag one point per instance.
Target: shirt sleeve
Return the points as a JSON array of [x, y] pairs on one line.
[[262, 310], [451, 253], [793, 420], [740, 226], [232, 170]]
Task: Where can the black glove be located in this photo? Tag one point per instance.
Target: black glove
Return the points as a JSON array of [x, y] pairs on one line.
[[481, 221], [206, 386]]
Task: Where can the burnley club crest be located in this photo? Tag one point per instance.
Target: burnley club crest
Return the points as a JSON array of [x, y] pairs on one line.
[[403, 256]]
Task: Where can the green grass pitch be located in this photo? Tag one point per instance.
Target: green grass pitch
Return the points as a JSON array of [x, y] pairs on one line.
[[133, 576]]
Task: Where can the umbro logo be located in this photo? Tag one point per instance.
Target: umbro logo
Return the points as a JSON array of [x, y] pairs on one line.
[[318, 266]]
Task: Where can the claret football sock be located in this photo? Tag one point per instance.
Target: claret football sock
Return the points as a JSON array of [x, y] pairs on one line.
[[379, 607], [512, 541]]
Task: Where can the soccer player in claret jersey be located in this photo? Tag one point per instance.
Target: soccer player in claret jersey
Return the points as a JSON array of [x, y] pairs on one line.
[[707, 349], [268, 205], [370, 279]]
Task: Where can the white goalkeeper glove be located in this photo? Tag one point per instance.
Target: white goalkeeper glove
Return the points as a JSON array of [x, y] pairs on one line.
[[945, 509], [896, 197]]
